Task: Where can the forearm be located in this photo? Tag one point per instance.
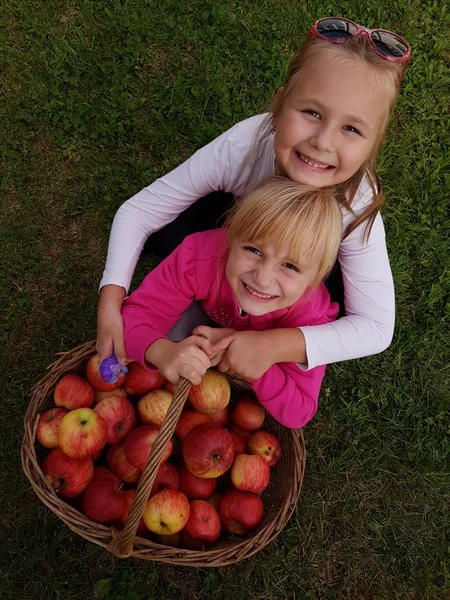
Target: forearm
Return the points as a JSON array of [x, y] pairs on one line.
[[111, 297], [157, 350], [287, 345]]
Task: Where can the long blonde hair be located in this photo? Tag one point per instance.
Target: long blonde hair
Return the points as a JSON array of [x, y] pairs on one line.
[[389, 73], [285, 214]]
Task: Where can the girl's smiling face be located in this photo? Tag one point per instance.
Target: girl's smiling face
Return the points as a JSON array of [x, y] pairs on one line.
[[330, 122], [264, 280]]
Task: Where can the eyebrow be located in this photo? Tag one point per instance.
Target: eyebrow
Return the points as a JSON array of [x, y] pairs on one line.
[[350, 118]]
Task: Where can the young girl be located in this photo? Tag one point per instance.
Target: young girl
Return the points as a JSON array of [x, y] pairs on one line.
[[324, 130], [262, 271]]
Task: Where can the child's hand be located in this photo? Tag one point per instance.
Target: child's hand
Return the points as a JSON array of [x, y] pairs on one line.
[[248, 354], [188, 358], [110, 335], [214, 334]]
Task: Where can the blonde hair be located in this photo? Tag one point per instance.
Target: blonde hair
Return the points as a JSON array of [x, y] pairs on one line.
[[387, 73], [286, 214]]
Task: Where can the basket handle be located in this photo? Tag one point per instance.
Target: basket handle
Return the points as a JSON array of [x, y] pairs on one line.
[[122, 544]]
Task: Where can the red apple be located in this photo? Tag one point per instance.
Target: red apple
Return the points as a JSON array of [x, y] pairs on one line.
[[152, 408], [195, 488], [189, 419], [102, 395], [203, 526], [138, 445], [120, 466], [120, 523], [96, 380], [73, 392], [140, 381], [67, 476], [166, 512], [215, 500], [241, 512], [48, 427], [119, 415], [266, 445], [101, 472], [103, 501], [248, 413], [208, 450], [239, 443], [82, 433], [220, 417], [170, 387], [241, 432], [167, 477], [250, 473], [212, 394]]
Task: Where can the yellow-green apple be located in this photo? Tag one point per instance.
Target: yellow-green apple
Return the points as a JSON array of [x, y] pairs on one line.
[[139, 443], [166, 512], [68, 476], [215, 500], [119, 415], [248, 414], [101, 395], [208, 450], [239, 443], [140, 381], [189, 419], [101, 472], [241, 512], [203, 526], [250, 473], [120, 466], [195, 488], [120, 523], [73, 392], [266, 445], [48, 427], [82, 433], [103, 501], [169, 540], [212, 394], [221, 417], [152, 407], [96, 380], [167, 477]]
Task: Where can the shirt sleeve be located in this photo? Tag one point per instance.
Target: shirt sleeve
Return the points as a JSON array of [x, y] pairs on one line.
[[368, 325]]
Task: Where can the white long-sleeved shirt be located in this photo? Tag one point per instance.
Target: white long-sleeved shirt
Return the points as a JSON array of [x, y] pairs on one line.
[[225, 164]]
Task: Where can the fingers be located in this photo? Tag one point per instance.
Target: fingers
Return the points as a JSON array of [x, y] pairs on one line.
[[119, 350], [203, 343], [203, 330], [224, 365], [104, 347], [222, 344]]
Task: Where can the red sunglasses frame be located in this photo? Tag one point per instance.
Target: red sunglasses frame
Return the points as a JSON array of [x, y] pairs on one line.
[[363, 31]]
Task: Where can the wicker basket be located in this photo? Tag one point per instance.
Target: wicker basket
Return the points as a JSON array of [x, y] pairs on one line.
[[279, 498]]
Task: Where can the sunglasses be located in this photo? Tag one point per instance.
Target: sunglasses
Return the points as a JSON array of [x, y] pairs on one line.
[[387, 44]]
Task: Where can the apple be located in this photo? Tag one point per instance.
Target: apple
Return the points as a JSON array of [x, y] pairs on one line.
[[266, 445], [170, 387], [102, 395], [82, 433], [103, 501], [167, 477], [203, 526], [241, 432], [241, 512], [96, 380], [195, 488], [239, 443], [250, 473], [215, 500], [152, 407], [140, 381], [67, 476], [101, 472], [138, 445], [73, 392], [220, 417], [212, 394], [120, 466], [248, 414], [120, 523], [208, 450], [119, 415], [48, 427], [166, 512], [189, 419]]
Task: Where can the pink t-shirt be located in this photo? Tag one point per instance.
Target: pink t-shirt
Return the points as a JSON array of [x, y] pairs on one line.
[[196, 271]]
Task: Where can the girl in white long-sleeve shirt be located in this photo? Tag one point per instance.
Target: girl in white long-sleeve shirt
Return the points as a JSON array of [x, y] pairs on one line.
[[325, 129]]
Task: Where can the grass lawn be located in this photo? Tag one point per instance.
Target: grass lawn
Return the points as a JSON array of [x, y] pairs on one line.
[[98, 99]]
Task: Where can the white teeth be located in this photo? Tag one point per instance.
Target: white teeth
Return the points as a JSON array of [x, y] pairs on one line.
[[312, 164], [252, 291]]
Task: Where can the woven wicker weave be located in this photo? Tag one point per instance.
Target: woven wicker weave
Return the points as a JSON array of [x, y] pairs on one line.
[[279, 498]]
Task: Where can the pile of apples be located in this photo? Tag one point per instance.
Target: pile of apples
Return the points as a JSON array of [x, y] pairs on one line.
[[212, 472]]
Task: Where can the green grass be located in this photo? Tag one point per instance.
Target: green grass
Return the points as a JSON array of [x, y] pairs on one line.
[[98, 99]]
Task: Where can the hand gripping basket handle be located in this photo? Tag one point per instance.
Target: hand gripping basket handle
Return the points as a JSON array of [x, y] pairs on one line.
[[122, 544]]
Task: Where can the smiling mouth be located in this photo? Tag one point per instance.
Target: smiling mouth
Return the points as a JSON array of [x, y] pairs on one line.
[[312, 163], [258, 294]]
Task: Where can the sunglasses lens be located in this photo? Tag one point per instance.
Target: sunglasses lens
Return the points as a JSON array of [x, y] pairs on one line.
[[389, 44], [336, 29]]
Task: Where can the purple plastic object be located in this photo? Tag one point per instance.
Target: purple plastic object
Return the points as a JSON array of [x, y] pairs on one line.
[[110, 369]]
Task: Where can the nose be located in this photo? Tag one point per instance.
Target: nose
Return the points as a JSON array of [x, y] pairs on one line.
[[323, 138], [264, 277]]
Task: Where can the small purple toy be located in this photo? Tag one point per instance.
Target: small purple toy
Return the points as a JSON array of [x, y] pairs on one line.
[[110, 369]]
